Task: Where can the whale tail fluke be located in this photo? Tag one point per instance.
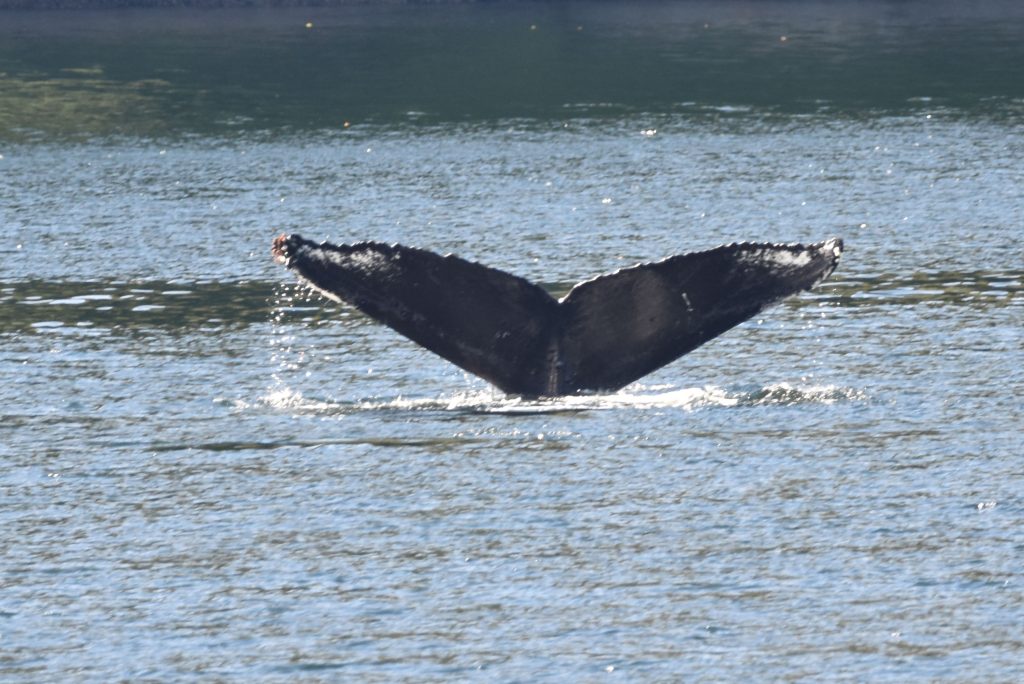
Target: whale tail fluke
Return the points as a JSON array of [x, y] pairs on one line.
[[606, 333], [624, 325], [488, 322]]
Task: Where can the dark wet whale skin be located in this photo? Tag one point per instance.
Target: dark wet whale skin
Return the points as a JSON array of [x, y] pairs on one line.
[[604, 334]]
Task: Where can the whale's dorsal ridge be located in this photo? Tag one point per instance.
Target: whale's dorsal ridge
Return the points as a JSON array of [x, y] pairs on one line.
[[606, 332]]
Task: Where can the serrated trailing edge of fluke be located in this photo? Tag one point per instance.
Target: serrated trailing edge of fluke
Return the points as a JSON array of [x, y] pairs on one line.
[[396, 248]]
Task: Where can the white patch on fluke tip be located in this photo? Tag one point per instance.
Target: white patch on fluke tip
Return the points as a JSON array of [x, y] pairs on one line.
[[365, 260], [787, 258], [368, 261], [836, 247]]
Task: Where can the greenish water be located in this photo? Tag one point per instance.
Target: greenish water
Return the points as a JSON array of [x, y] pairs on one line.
[[207, 473], [212, 72]]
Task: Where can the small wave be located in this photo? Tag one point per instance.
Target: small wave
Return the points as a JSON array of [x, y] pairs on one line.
[[493, 402], [634, 397], [287, 400], [786, 394]]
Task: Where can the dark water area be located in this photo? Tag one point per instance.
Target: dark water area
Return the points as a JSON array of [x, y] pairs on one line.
[[209, 473], [155, 72]]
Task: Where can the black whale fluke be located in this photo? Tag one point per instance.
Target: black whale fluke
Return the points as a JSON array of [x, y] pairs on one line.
[[603, 335]]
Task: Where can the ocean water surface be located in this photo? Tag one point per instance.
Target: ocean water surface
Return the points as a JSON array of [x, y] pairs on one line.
[[210, 473]]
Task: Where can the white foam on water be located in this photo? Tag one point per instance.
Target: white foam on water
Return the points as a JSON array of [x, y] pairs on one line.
[[634, 398], [784, 393], [286, 399]]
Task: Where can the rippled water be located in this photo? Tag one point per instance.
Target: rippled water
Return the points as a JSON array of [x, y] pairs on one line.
[[210, 473]]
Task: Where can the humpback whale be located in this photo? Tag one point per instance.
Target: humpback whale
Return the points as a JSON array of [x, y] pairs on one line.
[[604, 334]]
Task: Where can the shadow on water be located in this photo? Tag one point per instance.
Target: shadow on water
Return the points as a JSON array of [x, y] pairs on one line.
[[240, 445], [43, 306]]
